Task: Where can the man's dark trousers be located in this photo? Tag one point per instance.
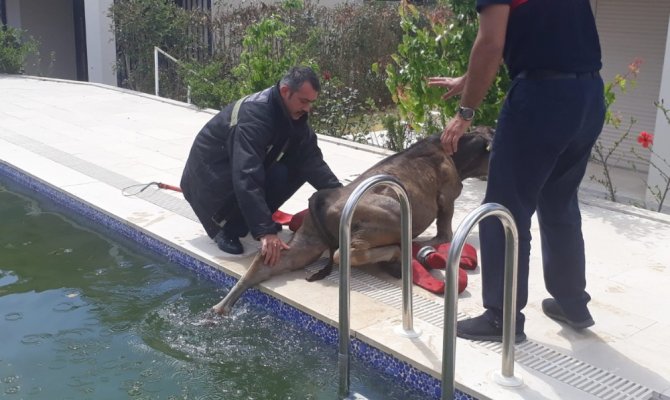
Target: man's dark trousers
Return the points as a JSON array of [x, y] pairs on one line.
[[280, 184], [546, 130]]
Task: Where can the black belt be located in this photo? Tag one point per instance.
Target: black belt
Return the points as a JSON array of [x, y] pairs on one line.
[[549, 74]]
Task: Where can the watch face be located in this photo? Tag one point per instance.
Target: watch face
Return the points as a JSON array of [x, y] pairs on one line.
[[466, 113]]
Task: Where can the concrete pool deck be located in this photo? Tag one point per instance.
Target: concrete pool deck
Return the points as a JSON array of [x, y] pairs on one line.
[[91, 141]]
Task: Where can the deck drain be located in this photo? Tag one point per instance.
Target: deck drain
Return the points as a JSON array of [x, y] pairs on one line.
[[571, 371]]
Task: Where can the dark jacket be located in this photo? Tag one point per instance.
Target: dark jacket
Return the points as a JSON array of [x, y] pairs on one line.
[[227, 163]]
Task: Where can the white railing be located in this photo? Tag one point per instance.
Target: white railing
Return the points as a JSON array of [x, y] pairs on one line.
[[157, 72]]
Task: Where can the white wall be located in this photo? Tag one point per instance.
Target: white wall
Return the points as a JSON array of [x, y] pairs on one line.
[[661, 146], [100, 44], [13, 13], [630, 30], [51, 22]]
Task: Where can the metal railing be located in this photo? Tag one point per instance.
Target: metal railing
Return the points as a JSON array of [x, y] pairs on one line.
[[506, 376], [345, 270], [157, 74]]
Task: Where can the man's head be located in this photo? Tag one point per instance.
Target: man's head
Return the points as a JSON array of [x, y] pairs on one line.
[[299, 88]]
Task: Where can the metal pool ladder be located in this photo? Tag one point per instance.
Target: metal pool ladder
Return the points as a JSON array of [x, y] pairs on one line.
[[407, 329], [506, 376]]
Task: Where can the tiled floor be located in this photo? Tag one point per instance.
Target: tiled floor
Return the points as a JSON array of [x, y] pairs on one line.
[[91, 141]]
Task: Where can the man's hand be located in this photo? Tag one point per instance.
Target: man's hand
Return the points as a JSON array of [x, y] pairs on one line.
[[271, 247], [452, 133], [454, 86]]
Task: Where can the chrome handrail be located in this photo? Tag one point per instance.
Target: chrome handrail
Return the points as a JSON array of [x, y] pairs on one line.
[[345, 269], [156, 74], [506, 376]]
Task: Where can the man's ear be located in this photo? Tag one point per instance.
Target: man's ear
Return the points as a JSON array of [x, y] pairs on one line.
[[285, 91]]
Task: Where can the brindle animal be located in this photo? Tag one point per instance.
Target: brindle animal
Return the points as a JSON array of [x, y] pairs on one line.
[[433, 181]]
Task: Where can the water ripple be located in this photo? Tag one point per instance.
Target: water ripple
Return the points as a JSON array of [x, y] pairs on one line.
[[35, 338], [66, 306], [13, 316]]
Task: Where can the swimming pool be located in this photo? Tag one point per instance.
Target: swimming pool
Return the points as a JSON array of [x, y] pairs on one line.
[[87, 313]]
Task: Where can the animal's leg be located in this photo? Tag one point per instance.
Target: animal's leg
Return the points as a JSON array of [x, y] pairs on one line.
[[371, 256], [306, 247], [445, 215]]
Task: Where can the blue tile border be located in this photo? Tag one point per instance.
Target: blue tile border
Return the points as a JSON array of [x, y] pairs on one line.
[[405, 374]]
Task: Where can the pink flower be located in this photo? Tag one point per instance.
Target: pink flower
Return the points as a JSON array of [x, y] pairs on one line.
[[326, 75], [634, 67], [645, 139]]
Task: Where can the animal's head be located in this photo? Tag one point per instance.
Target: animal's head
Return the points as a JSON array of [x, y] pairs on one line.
[[474, 149]]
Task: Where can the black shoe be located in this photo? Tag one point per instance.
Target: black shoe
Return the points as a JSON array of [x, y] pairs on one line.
[[481, 328], [554, 311], [231, 245]]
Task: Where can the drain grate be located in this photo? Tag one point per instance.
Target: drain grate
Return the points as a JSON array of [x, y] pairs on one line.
[[588, 378], [571, 371]]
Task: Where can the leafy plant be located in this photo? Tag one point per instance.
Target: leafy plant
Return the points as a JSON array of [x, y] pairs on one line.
[[142, 24], [602, 153], [339, 112], [14, 50], [268, 53], [436, 42]]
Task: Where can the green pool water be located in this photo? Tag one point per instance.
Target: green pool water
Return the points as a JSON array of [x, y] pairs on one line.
[[86, 314]]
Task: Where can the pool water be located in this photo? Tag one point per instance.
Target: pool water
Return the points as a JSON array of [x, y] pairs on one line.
[[86, 314]]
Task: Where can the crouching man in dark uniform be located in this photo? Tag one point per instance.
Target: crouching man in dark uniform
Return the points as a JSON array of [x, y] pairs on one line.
[[252, 157]]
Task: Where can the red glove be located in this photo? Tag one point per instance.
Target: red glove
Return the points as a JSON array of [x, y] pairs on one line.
[[281, 217], [296, 221], [468, 255], [427, 281]]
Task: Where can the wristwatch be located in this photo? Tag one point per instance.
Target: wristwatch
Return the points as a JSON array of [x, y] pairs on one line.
[[466, 113]]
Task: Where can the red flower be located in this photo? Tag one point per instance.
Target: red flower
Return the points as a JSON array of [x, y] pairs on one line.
[[326, 75], [645, 139]]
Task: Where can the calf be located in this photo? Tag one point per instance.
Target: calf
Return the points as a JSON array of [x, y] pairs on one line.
[[433, 181]]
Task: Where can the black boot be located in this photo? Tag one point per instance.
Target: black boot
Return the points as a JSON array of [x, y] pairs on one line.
[[554, 311], [484, 328], [230, 245]]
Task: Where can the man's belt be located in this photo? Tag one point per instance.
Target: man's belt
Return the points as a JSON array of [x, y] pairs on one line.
[[538, 74]]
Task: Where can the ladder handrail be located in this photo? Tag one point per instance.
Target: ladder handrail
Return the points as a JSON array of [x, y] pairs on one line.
[[156, 74], [506, 376], [345, 269]]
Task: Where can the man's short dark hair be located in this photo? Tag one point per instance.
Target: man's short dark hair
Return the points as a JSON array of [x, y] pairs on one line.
[[298, 75]]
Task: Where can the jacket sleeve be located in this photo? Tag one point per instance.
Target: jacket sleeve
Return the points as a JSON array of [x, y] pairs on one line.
[[250, 140], [316, 171]]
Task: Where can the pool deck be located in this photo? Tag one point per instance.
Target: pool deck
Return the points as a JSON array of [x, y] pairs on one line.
[[91, 141]]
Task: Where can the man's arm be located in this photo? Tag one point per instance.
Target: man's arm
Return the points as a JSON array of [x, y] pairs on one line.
[[316, 170], [486, 54], [483, 66]]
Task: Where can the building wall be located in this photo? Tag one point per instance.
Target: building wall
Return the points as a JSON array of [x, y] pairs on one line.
[[51, 22], [100, 44], [630, 30], [661, 146]]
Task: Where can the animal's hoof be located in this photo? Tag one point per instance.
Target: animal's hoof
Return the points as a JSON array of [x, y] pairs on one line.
[[220, 310]]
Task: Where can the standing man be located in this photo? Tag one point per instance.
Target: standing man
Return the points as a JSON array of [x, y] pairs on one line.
[[551, 118], [252, 157]]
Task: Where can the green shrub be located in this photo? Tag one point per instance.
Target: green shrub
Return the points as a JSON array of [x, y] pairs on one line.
[[14, 50], [238, 49], [142, 24], [437, 42]]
